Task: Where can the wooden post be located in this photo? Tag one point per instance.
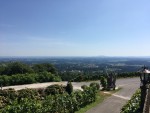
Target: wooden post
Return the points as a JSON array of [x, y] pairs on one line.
[[143, 94]]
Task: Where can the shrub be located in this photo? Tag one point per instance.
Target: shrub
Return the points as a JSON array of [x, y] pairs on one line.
[[25, 105], [9, 93], [96, 85], [28, 93], [69, 88], [20, 79], [4, 101], [54, 89], [133, 105], [41, 92], [84, 87], [58, 103], [103, 82]]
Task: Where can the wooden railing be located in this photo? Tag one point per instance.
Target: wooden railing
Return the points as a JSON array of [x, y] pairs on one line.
[[146, 108]]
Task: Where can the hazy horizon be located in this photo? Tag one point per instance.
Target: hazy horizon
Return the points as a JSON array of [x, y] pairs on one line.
[[75, 28], [75, 56]]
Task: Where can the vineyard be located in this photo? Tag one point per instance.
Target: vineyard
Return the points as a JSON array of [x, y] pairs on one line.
[[53, 99]]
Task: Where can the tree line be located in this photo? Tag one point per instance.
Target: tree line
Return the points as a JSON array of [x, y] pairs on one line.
[[17, 73], [13, 68], [87, 76]]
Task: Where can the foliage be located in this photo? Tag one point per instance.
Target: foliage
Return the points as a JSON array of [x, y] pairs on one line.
[[15, 68], [127, 74], [85, 76], [84, 87], [68, 76], [17, 73], [65, 103], [103, 82], [133, 105], [81, 78], [54, 89], [9, 93], [25, 105], [96, 85], [19, 79], [47, 77], [3, 101], [44, 67], [77, 74], [58, 103], [28, 93], [62, 103], [69, 88]]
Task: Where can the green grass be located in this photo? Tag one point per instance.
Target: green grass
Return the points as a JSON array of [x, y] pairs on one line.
[[100, 98]]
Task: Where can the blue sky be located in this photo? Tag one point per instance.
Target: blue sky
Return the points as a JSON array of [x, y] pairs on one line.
[[74, 27]]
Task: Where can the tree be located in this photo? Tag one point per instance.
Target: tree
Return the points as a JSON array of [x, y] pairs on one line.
[[45, 67], [16, 68]]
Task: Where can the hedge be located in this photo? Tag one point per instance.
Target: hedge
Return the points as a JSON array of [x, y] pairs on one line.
[[58, 103], [133, 105], [20, 79]]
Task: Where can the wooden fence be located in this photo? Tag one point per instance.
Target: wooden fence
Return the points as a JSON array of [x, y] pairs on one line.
[[146, 108]]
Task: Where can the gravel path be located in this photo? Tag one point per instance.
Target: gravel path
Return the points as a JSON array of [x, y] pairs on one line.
[[114, 103]]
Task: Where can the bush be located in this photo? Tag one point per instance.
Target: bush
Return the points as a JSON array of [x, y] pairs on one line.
[[5, 80], [65, 103], [84, 87], [96, 85], [103, 82], [28, 93], [69, 88], [54, 89], [133, 105], [9, 93], [3, 101], [20, 79], [26, 102], [41, 92], [25, 105]]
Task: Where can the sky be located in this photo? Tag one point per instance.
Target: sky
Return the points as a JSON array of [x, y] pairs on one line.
[[74, 28]]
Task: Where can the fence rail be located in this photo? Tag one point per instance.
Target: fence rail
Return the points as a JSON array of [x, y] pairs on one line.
[[146, 108]]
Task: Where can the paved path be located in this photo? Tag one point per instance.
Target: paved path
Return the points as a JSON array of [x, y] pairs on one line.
[[114, 103], [76, 85]]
